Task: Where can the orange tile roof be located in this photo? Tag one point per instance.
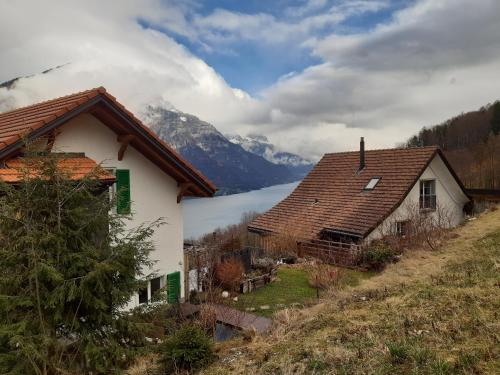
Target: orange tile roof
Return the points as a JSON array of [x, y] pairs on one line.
[[332, 196], [31, 121], [76, 168]]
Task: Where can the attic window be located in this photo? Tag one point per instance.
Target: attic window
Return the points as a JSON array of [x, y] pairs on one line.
[[372, 183]]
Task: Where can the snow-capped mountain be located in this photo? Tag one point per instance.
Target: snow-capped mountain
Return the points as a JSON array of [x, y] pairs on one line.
[[260, 145], [232, 168]]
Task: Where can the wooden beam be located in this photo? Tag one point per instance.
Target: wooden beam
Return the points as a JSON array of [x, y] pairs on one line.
[[183, 189], [51, 138], [124, 139]]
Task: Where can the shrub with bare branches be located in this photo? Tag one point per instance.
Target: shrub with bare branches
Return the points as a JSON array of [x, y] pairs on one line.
[[229, 274], [323, 276], [420, 227]]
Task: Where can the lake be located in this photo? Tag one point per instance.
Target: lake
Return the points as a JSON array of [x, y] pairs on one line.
[[204, 215]]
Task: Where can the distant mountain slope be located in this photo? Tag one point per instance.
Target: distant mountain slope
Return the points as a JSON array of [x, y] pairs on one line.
[[470, 145], [228, 165], [260, 145]]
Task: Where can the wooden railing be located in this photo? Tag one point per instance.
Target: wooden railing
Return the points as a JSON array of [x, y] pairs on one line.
[[339, 253]]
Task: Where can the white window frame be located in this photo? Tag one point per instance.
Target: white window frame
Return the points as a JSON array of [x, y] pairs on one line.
[[427, 200]]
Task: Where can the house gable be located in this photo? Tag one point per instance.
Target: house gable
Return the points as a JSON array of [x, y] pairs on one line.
[[334, 196], [44, 119], [450, 196]]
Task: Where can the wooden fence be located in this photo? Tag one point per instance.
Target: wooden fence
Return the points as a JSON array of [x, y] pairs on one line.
[[338, 253]]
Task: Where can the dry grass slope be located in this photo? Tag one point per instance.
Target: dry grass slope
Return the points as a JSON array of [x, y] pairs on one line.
[[431, 313]]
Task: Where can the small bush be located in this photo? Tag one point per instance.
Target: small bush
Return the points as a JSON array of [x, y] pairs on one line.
[[188, 349], [324, 276], [377, 256], [229, 274], [398, 352], [155, 319], [467, 361], [316, 365], [440, 367]]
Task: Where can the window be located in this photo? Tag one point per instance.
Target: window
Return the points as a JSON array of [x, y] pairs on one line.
[[428, 194], [143, 295], [122, 191], [372, 183], [401, 228], [155, 287]]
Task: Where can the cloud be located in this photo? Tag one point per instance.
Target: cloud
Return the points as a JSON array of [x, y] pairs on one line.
[[105, 45], [430, 61], [433, 61], [224, 26]]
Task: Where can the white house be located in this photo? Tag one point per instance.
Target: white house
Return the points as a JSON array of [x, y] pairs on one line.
[[356, 197], [101, 131]]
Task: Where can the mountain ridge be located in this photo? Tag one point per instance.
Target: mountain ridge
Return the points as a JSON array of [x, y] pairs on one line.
[[232, 168]]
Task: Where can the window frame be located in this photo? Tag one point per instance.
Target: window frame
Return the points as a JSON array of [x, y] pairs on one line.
[[401, 228], [427, 200], [367, 188]]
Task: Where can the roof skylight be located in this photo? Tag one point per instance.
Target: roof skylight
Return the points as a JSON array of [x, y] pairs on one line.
[[372, 183]]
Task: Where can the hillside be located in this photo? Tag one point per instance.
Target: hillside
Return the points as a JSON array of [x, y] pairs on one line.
[[430, 313], [471, 145]]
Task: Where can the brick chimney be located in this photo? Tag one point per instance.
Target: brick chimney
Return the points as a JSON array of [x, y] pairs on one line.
[[361, 154]]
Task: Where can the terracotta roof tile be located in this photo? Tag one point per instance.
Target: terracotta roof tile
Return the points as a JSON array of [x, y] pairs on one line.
[[332, 196], [76, 167], [18, 123]]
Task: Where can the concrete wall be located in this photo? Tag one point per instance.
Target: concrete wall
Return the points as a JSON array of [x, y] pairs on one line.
[[450, 200], [153, 192]]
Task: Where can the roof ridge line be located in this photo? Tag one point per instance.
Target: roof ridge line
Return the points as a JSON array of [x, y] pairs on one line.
[[99, 89], [384, 149]]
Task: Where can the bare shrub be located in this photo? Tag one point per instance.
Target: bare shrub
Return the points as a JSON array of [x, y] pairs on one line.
[[207, 318], [323, 276], [229, 274], [231, 237], [146, 365], [422, 227]]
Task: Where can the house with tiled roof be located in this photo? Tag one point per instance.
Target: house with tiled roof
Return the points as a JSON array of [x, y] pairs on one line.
[[356, 197], [90, 130]]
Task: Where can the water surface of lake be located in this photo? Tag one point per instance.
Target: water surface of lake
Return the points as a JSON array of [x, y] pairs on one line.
[[204, 215]]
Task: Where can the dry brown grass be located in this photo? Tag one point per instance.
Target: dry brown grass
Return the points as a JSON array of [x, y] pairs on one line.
[[434, 312], [421, 263], [145, 365]]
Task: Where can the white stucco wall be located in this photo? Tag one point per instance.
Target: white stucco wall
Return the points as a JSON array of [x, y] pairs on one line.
[[153, 192], [450, 199]]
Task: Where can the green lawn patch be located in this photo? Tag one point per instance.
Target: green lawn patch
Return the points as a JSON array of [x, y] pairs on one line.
[[290, 289]]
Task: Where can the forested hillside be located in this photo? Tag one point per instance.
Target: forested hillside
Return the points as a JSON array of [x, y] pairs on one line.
[[471, 142]]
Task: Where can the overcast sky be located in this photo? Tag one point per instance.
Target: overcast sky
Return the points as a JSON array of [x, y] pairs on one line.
[[312, 75]]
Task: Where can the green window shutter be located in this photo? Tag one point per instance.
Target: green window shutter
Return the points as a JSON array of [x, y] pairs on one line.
[[122, 191], [173, 287]]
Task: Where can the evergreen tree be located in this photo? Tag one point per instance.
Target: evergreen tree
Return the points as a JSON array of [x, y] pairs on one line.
[[495, 119], [68, 269]]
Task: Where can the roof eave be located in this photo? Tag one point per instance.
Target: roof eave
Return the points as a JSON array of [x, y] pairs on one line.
[[206, 189]]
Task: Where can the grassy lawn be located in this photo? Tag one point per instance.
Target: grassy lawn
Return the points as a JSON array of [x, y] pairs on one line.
[[290, 289]]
